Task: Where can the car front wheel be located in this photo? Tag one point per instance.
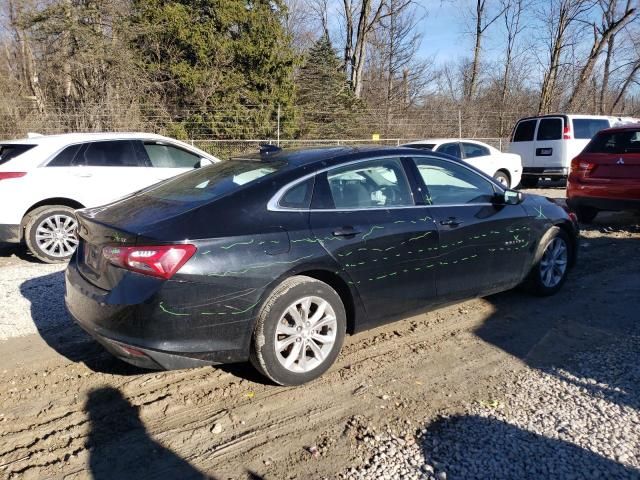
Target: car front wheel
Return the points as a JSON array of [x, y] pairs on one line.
[[50, 233], [551, 265], [299, 331], [502, 178]]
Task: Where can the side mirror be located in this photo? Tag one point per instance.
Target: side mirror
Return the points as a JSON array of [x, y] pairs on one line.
[[204, 162], [511, 197]]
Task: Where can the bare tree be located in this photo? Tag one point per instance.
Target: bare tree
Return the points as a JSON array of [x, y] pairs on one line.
[[560, 17], [612, 21], [482, 20]]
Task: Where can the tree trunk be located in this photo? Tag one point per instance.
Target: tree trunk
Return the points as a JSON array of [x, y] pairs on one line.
[[473, 79], [605, 75]]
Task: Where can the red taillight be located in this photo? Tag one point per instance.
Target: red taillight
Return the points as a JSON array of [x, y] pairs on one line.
[[7, 175], [566, 134], [156, 260], [581, 166]]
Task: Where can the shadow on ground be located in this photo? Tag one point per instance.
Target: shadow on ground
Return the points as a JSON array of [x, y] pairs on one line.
[[474, 447], [120, 446]]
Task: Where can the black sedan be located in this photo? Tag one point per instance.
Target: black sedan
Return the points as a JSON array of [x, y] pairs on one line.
[[274, 257]]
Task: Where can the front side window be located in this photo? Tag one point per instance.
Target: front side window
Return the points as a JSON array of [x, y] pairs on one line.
[[452, 149], [162, 155], [451, 184], [369, 184], [472, 150], [587, 127], [115, 153], [524, 131], [550, 129]]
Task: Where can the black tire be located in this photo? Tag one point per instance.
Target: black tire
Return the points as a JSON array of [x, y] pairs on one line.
[[529, 182], [586, 214], [534, 282], [502, 178], [263, 349], [36, 219]]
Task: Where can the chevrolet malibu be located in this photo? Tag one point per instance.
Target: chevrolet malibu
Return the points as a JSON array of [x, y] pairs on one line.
[[273, 258]]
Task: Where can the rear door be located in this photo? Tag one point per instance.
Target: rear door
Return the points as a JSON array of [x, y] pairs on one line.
[[482, 242], [549, 145], [522, 141], [364, 215]]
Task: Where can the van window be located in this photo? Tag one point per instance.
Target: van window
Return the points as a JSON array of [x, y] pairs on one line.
[[550, 129], [524, 131], [588, 127]]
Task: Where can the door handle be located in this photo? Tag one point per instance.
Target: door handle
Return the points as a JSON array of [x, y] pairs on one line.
[[84, 174], [345, 232], [451, 222]]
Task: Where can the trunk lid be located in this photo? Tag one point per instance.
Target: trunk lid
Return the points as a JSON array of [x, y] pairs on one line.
[[619, 167]]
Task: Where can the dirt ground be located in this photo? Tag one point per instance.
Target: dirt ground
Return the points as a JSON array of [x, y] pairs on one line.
[[69, 410]]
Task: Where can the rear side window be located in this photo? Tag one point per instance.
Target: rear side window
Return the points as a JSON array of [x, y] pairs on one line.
[[298, 196], [162, 155], [524, 131], [119, 153], [66, 157], [452, 149], [550, 129], [615, 143], [588, 127], [7, 152], [472, 150]]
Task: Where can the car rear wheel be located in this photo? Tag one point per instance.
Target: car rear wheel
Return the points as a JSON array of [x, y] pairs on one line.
[[50, 233], [502, 178], [299, 332], [529, 182], [586, 214], [551, 265]]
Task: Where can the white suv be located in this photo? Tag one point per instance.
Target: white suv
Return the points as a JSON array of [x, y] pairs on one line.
[[548, 143], [43, 179]]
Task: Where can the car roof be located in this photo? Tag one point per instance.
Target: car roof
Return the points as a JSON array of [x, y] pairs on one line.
[[444, 140], [68, 138], [303, 157]]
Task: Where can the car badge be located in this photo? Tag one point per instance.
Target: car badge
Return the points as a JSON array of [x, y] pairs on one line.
[[620, 161]]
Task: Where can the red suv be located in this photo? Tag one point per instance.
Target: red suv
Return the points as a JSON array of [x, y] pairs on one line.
[[606, 174]]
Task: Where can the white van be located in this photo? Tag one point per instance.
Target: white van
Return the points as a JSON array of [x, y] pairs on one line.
[[548, 143]]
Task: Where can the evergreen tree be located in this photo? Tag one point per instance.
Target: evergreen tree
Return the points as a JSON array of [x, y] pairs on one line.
[[229, 62], [327, 106]]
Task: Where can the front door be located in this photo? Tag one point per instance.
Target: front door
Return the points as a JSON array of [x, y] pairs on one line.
[[482, 240], [364, 215]]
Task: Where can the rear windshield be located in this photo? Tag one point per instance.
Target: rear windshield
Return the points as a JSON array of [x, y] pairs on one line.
[[211, 182], [588, 127], [7, 152], [421, 146], [615, 142]]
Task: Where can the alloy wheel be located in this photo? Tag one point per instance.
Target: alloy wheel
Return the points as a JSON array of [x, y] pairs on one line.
[[554, 262], [306, 334], [56, 235]]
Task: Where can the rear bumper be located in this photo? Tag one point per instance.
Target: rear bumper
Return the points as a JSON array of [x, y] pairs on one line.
[[607, 195], [545, 172], [9, 233], [134, 327]]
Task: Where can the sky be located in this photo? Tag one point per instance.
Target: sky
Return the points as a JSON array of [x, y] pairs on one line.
[[443, 29]]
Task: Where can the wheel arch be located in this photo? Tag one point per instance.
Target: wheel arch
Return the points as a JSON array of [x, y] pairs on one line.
[[63, 201], [569, 229]]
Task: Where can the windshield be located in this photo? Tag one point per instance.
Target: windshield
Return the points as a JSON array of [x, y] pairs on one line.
[[211, 182], [7, 152]]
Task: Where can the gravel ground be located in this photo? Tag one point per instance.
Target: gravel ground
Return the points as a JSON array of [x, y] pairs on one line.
[[24, 289], [576, 423]]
